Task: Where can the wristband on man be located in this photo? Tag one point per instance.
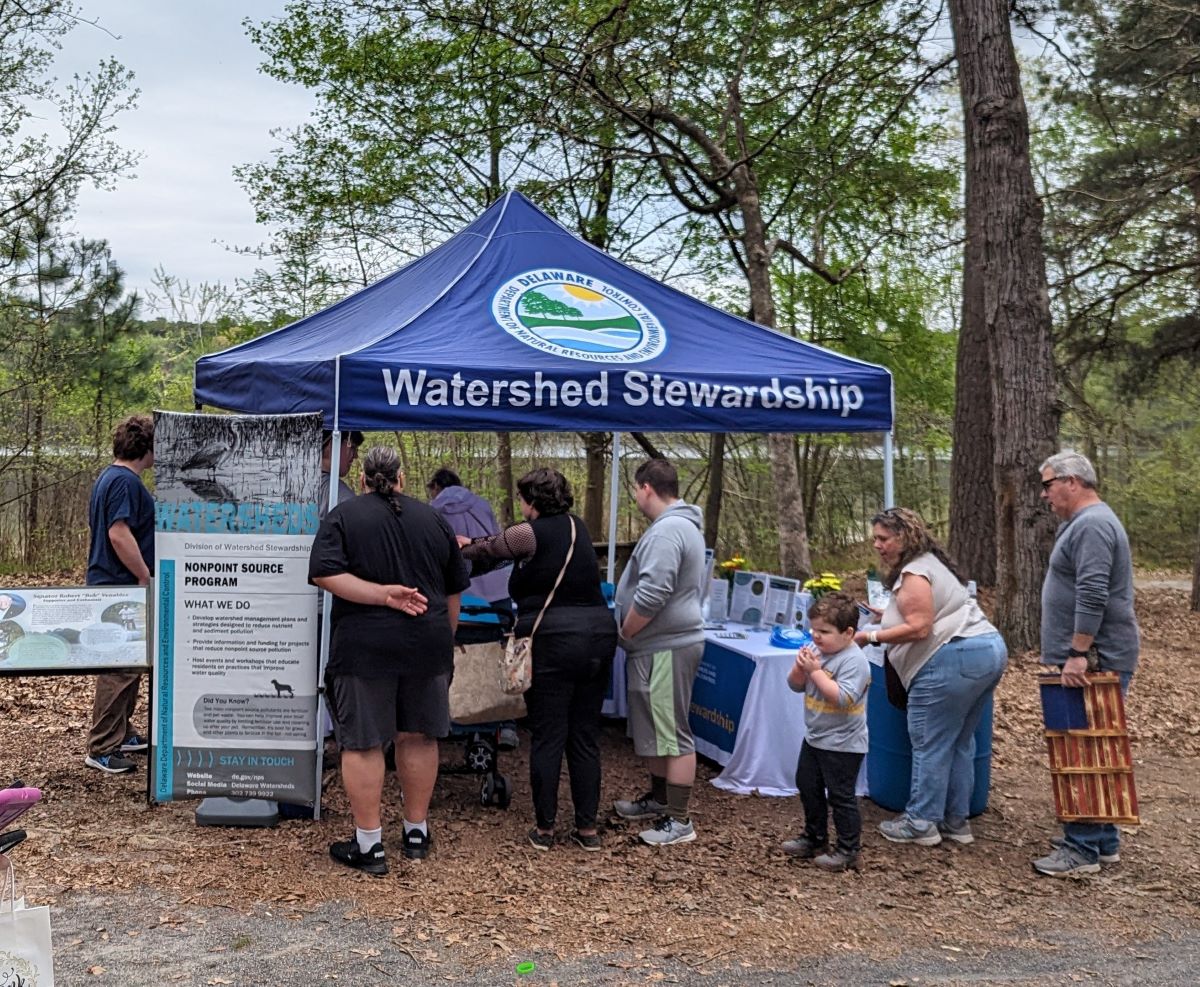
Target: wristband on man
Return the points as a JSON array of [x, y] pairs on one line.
[[1076, 653]]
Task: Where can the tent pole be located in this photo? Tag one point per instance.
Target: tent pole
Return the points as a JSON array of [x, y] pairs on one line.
[[889, 476], [614, 491]]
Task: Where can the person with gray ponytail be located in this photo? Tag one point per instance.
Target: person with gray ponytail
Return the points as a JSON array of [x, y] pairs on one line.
[[396, 574]]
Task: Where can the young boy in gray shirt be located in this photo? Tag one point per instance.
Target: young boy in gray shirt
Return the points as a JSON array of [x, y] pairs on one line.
[[834, 676]]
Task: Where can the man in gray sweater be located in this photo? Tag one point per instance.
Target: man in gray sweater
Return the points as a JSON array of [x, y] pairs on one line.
[[662, 631], [1088, 623]]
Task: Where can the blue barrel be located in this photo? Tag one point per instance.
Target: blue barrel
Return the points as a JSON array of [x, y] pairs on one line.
[[889, 757]]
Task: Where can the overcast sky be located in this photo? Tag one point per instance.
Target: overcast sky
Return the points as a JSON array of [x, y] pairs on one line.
[[204, 108]]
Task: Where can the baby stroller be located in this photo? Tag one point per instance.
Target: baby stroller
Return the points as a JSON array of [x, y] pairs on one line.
[[481, 623]]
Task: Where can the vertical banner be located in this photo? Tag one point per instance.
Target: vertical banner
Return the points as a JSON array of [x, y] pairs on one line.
[[235, 648]]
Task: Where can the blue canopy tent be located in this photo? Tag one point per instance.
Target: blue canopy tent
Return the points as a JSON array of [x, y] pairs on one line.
[[516, 324]]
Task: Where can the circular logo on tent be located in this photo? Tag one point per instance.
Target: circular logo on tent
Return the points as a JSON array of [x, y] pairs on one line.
[[577, 316]]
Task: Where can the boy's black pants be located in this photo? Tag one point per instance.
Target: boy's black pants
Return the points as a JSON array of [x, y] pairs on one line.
[[834, 772]]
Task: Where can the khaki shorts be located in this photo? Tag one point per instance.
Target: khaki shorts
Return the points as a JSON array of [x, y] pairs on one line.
[[660, 697]]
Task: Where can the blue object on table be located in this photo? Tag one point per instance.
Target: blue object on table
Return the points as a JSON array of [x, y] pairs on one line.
[[889, 751], [789, 637]]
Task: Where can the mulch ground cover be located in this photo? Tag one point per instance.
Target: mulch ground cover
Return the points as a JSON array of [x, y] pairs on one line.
[[730, 897]]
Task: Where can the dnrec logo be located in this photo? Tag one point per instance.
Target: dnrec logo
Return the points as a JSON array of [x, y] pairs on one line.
[[577, 316]]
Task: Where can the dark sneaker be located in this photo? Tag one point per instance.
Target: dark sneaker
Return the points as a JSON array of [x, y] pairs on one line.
[[642, 807], [590, 843], [372, 862], [956, 832], [837, 861], [668, 831], [1065, 862], [906, 830], [416, 844], [803, 847], [135, 743], [1105, 858], [113, 764], [540, 841]]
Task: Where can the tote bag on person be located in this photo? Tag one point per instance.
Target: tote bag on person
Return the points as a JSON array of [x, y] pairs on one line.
[[475, 692]]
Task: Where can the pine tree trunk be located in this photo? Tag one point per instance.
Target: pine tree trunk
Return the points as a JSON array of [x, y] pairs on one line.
[[716, 483], [507, 480], [595, 447], [972, 493], [1007, 219], [794, 558]]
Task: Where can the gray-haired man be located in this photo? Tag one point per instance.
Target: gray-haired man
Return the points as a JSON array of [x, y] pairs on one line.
[[1087, 613]]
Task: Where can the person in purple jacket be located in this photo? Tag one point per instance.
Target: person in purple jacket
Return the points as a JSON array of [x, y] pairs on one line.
[[471, 516]]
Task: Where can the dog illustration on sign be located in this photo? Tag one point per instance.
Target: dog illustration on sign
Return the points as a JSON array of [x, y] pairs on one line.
[[281, 688]]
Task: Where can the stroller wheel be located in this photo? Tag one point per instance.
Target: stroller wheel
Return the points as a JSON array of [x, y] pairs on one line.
[[481, 755], [502, 792], [495, 791]]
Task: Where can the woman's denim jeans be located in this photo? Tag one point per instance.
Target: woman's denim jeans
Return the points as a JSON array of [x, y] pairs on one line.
[[1089, 840], [946, 698]]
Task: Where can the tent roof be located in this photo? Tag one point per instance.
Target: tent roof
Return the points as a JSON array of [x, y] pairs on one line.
[[517, 324]]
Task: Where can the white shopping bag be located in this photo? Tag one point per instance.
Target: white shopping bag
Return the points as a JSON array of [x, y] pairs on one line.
[[26, 958]]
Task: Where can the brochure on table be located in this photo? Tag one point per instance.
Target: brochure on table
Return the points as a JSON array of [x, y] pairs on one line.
[[781, 600], [73, 629], [236, 645], [748, 603]]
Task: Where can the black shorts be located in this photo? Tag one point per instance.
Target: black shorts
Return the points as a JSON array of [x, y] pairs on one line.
[[369, 712]]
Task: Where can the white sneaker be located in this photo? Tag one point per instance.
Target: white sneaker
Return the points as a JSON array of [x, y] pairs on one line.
[[642, 807], [667, 831]]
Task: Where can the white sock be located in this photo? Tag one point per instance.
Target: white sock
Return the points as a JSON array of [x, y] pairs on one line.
[[422, 826], [367, 838]]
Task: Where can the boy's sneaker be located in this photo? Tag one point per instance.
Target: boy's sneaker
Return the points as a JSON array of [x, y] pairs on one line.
[[540, 841], [668, 831], [1065, 862], [372, 862], [1105, 858], [837, 861], [642, 807], [135, 743], [416, 844], [803, 847], [906, 830], [590, 843], [113, 764], [960, 833]]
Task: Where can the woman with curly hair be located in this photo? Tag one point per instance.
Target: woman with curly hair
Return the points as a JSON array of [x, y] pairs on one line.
[[950, 659], [573, 646]]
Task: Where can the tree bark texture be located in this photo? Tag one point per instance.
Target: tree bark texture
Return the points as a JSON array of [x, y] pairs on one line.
[[972, 492], [794, 557], [595, 446], [507, 481], [1005, 218], [716, 484]]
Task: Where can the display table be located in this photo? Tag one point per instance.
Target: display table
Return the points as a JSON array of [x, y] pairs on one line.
[[745, 717]]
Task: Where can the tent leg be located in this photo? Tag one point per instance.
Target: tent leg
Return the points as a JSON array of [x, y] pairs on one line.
[[614, 491], [889, 474]]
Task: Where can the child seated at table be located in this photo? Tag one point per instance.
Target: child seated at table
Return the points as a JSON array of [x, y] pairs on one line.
[[834, 676]]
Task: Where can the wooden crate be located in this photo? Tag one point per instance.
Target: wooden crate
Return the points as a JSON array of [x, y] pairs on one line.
[[1091, 762]]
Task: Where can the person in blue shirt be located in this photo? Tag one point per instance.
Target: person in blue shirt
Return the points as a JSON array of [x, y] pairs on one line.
[[121, 553]]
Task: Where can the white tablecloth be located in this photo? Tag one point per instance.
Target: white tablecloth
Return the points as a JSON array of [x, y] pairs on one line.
[[770, 728]]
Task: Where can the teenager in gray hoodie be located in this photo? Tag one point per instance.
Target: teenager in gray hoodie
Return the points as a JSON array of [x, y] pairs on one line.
[[662, 631]]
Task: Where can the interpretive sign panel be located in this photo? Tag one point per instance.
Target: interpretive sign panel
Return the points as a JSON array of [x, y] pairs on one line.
[[73, 629], [235, 650]]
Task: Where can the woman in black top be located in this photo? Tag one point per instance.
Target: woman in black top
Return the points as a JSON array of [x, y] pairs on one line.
[[572, 650]]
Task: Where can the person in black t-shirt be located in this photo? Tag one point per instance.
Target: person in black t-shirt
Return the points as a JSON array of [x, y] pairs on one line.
[[121, 553], [396, 575], [572, 649]]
